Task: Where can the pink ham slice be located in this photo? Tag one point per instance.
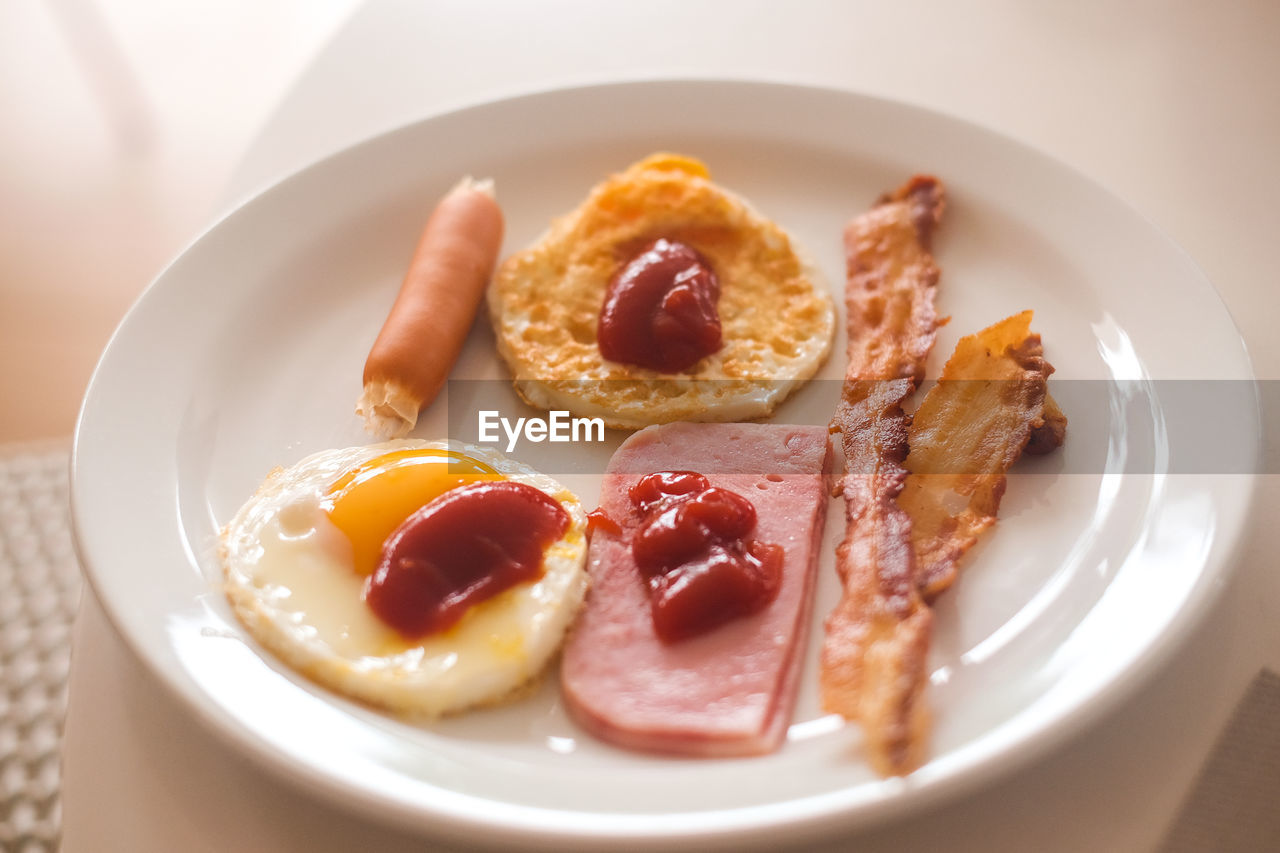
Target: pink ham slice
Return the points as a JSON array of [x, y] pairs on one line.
[[730, 691]]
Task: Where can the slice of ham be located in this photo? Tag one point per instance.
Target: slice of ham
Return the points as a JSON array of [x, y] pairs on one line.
[[729, 691]]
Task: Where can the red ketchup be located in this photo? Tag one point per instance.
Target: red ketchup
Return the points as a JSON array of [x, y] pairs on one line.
[[467, 545], [693, 552], [660, 309], [598, 519]]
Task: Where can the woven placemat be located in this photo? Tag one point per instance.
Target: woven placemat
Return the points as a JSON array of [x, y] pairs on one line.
[[1234, 805], [39, 592]]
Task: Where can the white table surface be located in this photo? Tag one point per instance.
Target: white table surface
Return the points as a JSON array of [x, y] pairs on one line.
[[1174, 106]]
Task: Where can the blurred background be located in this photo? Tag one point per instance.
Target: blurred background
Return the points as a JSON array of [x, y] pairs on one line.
[[120, 123]]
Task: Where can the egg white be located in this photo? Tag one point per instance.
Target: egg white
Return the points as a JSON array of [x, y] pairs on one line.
[[289, 579]]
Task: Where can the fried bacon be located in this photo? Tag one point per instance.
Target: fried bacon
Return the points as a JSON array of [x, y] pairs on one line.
[[877, 638], [969, 429], [903, 539], [1048, 436], [891, 283]]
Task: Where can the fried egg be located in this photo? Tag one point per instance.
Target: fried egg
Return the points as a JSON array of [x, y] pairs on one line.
[[297, 554], [775, 307]]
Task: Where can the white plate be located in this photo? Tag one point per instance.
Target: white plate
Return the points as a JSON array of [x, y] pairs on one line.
[[247, 354]]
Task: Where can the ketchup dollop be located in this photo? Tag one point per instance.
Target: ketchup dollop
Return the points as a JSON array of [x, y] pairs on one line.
[[693, 551], [598, 519], [465, 546], [660, 309]]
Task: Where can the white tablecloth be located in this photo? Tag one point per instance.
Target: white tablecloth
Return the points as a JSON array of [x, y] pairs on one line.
[[1173, 106]]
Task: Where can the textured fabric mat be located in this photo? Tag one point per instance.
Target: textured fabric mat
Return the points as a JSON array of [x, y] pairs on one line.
[[39, 591], [1234, 806]]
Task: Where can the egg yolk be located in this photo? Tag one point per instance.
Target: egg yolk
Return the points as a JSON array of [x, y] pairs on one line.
[[369, 502]]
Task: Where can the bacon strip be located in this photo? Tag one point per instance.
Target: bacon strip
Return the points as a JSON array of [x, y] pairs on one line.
[[902, 541], [1048, 436], [891, 283], [970, 428], [877, 638]]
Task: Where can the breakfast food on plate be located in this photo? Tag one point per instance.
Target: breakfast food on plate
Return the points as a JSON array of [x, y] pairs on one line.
[[702, 559], [432, 577], [877, 638], [663, 297], [891, 283], [905, 475], [425, 577], [1048, 436], [434, 309], [968, 430]]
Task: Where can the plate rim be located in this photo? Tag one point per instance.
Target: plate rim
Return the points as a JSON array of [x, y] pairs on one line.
[[718, 826]]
